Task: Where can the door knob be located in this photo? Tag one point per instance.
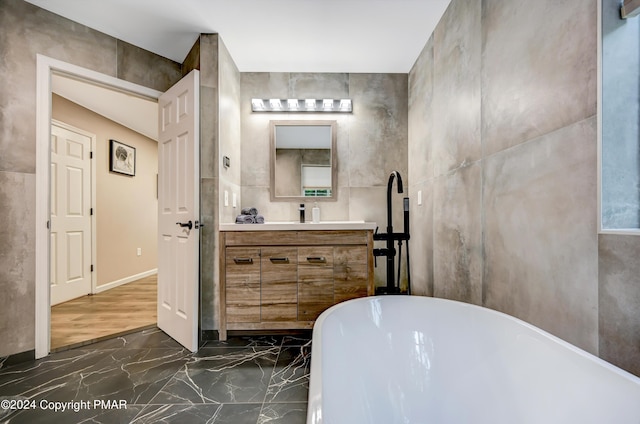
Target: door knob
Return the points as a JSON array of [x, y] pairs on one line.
[[188, 225]]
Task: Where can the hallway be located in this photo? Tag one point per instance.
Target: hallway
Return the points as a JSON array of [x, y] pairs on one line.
[[114, 312], [243, 380]]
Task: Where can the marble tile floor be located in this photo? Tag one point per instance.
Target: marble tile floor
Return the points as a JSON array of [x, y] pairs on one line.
[[147, 377]]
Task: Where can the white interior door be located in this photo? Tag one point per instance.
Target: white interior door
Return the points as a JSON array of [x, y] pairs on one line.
[[70, 214], [178, 207]]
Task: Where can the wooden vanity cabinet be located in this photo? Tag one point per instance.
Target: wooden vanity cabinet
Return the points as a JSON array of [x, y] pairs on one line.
[[279, 280]]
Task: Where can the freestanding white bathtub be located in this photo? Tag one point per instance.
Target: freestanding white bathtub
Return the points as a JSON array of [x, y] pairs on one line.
[[410, 359]]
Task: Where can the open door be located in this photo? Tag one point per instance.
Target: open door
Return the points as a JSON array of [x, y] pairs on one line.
[[179, 211]]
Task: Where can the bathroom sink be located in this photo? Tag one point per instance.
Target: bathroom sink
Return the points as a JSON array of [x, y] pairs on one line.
[[309, 222], [342, 222], [295, 225]]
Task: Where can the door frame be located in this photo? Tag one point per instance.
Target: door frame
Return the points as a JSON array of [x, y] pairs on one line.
[[92, 176], [45, 66]]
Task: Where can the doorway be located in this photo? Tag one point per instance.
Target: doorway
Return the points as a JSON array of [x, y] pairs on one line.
[[116, 279], [178, 198], [46, 68]]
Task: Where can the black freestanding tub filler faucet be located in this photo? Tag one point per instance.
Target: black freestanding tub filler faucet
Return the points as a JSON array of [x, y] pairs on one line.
[[391, 238]]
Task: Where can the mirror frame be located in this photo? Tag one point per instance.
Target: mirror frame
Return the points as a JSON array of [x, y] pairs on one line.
[[334, 161]]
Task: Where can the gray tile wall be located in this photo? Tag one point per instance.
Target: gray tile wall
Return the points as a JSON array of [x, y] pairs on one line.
[[209, 182], [619, 300], [229, 132], [372, 142], [219, 136], [514, 227], [538, 68], [503, 147], [17, 262], [229, 107], [540, 233], [421, 170], [26, 31]]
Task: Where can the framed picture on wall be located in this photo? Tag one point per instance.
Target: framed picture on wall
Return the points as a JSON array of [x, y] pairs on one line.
[[122, 158]]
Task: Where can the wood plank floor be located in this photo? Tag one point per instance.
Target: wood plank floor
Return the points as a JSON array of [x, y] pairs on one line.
[[111, 313]]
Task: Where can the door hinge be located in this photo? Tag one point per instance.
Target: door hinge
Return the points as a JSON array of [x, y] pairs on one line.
[[90, 155], [91, 211], [91, 267], [48, 225]]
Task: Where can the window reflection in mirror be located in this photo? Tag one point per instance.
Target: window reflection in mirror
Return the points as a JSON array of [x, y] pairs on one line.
[[303, 161]]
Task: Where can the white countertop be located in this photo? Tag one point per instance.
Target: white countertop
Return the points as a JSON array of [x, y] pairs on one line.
[[296, 226]]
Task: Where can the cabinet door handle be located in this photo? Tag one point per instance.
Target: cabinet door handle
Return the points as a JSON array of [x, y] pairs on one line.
[[279, 260], [243, 261], [317, 259]]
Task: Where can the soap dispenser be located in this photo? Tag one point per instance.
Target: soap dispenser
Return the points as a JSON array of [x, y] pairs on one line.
[[315, 213], [301, 208]]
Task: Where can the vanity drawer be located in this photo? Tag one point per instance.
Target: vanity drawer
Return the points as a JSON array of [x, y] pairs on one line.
[[315, 257], [242, 284], [279, 283], [315, 281]]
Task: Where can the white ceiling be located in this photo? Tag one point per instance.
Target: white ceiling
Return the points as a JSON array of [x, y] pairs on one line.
[[372, 36], [136, 113]]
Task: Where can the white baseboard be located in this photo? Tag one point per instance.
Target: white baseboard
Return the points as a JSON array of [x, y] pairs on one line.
[[107, 286]]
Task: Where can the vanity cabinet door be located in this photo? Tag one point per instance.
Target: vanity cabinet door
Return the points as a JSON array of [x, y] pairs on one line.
[[350, 272], [279, 284], [242, 284], [315, 281]]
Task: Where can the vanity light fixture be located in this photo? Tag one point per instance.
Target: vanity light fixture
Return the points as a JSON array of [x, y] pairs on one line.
[[275, 104], [292, 104], [301, 105], [310, 104], [257, 105], [345, 105]]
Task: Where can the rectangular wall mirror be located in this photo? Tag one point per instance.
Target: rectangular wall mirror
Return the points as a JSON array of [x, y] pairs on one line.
[[303, 160]]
